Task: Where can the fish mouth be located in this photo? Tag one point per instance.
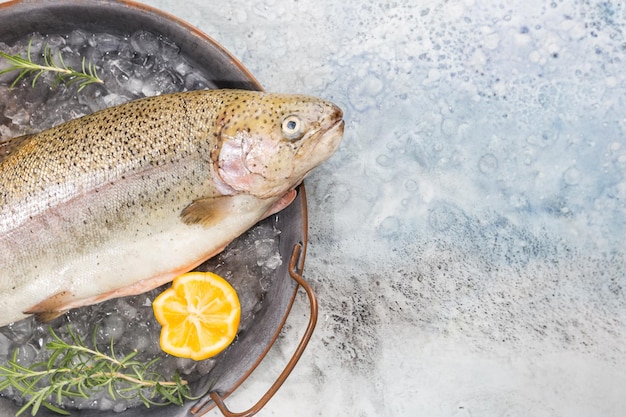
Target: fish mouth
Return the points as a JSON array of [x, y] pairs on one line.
[[331, 138], [339, 125], [318, 148]]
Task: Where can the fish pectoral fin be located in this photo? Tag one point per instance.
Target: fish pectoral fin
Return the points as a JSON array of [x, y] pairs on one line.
[[51, 308], [211, 210], [282, 203], [206, 211]]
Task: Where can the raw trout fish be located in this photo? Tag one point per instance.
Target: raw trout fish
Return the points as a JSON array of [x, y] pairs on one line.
[[123, 200]]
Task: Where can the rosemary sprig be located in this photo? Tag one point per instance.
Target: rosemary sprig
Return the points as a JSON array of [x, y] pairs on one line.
[[87, 75], [75, 370]]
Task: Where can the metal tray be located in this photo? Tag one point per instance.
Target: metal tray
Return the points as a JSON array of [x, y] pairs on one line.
[[19, 18]]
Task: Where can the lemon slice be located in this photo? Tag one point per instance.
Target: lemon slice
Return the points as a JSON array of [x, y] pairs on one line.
[[200, 315]]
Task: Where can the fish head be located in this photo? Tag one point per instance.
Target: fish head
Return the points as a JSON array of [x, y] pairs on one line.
[[267, 143]]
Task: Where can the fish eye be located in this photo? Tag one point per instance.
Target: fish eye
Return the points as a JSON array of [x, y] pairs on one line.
[[293, 127]]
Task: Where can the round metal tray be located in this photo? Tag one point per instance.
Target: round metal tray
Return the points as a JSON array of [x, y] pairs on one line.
[[18, 19]]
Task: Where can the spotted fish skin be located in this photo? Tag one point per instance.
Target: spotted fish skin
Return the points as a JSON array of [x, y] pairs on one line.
[[123, 200]]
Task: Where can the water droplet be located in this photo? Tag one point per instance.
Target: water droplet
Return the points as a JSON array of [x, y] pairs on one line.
[[443, 217], [571, 176], [488, 163], [389, 227], [410, 185], [384, 161]]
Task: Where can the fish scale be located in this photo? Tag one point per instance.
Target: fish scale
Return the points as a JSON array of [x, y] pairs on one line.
[[121, 201]]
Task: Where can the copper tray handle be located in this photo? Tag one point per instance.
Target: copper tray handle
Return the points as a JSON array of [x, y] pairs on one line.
[[295, 271]]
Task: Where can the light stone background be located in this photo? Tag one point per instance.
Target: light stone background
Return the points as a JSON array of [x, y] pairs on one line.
[[466, 241]]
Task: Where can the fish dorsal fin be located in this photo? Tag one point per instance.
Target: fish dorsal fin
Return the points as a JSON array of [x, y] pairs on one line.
[[8, 146], [207, 211]]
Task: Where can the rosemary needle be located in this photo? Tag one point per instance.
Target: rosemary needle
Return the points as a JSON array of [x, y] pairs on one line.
[[87, 75], [76, 370]]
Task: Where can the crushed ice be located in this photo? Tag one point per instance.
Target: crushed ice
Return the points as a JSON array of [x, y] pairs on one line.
[[143, 64]]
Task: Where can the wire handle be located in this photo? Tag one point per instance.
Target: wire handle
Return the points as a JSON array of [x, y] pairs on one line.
[[296, 273]]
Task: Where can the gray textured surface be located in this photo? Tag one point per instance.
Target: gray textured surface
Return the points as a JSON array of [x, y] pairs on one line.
[[466, 242]]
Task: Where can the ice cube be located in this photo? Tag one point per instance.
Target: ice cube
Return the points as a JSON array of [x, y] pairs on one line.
[[105, 42], [144, 42], [162, 82]]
